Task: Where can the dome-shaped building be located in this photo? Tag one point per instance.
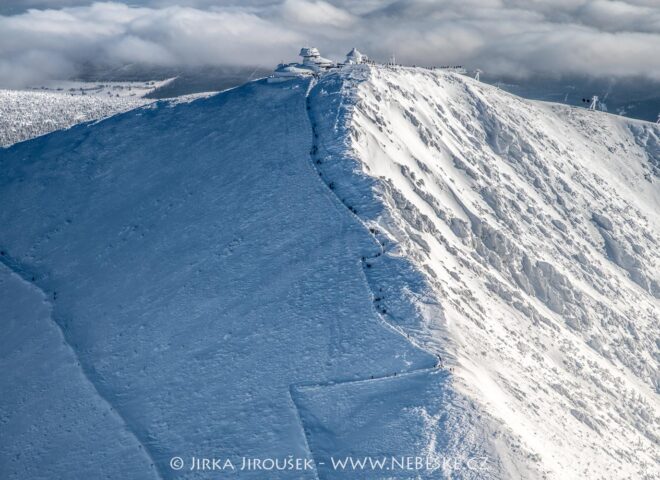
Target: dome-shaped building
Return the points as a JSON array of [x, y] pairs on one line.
[[355, 57]]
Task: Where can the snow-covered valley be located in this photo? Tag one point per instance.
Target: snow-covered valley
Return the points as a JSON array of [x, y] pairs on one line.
[[383, 261]]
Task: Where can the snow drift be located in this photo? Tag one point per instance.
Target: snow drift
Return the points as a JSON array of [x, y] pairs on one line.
[[386, 261]]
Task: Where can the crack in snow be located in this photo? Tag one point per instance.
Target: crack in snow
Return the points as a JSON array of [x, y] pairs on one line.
[[30, 277]]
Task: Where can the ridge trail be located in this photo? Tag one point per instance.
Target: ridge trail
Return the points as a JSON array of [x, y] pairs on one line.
[[366, 261]]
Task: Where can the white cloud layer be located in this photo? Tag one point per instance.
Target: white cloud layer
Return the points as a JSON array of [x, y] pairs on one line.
[[517, 37]]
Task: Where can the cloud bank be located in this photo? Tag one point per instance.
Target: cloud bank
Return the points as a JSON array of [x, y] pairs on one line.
[[57, 38]]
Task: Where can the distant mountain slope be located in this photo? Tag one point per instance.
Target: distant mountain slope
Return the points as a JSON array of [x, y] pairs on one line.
[[383, 262], [634, 98], [26, 114]]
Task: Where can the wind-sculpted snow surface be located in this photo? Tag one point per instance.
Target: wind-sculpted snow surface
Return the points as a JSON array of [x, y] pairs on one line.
[[535, 228], [202, 274], [456, 433], [384, 263], [44, 391]]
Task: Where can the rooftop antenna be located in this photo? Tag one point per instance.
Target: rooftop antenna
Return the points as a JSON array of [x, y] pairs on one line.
[[593, 102], [477, 74], [255, 71]]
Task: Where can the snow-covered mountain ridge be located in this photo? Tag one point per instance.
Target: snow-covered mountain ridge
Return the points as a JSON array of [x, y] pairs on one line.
[[274, 270]]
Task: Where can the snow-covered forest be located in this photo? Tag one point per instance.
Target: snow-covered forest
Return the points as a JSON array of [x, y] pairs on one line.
[[30, 113]]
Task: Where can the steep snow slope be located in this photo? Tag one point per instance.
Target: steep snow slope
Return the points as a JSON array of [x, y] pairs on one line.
[[205, 279], [536, 229]]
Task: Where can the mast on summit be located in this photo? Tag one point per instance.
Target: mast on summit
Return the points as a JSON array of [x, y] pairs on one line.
[[593, 102]]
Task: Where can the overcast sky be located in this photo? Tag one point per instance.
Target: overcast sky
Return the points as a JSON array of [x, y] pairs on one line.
[[49, 39]]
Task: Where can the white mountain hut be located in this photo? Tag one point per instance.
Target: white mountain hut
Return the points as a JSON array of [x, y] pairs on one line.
[[313, 59]]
